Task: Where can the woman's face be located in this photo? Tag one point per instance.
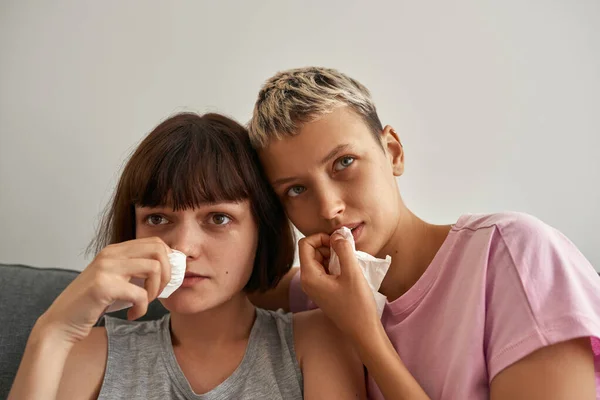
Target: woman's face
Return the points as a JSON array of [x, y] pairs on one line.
[[220, 242]]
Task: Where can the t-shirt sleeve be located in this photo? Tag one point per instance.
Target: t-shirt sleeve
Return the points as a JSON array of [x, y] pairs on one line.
[[299, 301], [540, 291]]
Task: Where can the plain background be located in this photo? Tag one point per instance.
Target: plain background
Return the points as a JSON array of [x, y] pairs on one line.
[[497, 102]]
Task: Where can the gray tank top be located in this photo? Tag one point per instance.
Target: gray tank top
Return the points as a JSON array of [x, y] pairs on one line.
[[142, 365]]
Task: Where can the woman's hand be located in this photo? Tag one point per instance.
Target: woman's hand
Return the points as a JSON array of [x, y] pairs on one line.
[[106, 280], [346, 299]]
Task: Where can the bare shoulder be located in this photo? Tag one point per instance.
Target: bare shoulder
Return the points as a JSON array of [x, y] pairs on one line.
[[84, 370], [311, 320], [313, 331], [323, 351]]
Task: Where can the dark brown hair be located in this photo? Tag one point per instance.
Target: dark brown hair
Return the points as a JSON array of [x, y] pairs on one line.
[[189, 160]]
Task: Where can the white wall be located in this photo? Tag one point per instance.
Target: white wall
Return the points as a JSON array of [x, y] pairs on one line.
[[497, 102]]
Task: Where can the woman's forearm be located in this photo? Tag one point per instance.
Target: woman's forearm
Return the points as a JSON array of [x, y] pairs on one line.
[[387, 369], [42, 365]]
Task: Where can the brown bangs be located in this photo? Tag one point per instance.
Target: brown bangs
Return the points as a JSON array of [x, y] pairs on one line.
[[191, 165]]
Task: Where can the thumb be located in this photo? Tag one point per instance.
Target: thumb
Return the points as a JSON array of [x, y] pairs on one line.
[[348, 262]]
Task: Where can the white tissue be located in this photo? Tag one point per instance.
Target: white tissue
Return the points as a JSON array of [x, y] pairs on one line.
[[177, 261], [373, 269]]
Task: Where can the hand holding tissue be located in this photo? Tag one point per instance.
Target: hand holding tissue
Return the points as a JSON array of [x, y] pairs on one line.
[[177, 260], [373, 269]]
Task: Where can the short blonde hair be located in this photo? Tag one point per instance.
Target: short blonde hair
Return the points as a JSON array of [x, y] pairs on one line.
[[294, 97]]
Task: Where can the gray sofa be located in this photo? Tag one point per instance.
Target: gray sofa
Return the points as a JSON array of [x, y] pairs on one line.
[[25, 293]]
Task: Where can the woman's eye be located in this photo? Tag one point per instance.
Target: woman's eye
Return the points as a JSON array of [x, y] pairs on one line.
[[220, 219], [156, 219], [295, 191], [343, 163]]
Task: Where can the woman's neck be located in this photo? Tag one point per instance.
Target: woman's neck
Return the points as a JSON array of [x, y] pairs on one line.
[[412, 247], [230, 322]]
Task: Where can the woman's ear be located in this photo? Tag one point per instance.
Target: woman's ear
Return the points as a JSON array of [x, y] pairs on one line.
[[393, 149]]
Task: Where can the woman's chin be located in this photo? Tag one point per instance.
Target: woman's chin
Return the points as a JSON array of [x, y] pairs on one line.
[[184, 303]]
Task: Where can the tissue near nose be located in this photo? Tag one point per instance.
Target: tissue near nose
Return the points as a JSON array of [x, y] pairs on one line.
[[177, 260], [178, 264]]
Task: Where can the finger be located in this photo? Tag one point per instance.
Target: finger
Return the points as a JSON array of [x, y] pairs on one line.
[[139, 298], [151, 248], [129, 293], [161, 253], [148, 269], [348, 261], [323, 256], [153, 284], [309, 255], [317, 240], [139, 248], [118, 249], [325, 252]]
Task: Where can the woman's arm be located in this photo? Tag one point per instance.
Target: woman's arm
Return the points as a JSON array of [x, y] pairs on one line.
[[64, 337], [385, 366], [85, 367], [42, 365], [54, 368], [562, 371], [330, 366], [348, 301]]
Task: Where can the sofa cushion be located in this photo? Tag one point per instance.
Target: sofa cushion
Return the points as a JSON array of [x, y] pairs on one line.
[[25, 293]]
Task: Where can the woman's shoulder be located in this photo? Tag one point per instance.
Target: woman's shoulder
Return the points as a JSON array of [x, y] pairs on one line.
[[313, 332], [521, 240], [515, 223], [306, 321], [514, 238], [322, 349], [89, 361], [303, 332], [85, 367], [93, 350]]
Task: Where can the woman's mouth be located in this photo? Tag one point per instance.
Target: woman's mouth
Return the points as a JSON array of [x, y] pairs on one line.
[[190, 279], [357, 230]]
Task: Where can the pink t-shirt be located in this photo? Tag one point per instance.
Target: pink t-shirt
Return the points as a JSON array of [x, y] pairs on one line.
[[500, 287]]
